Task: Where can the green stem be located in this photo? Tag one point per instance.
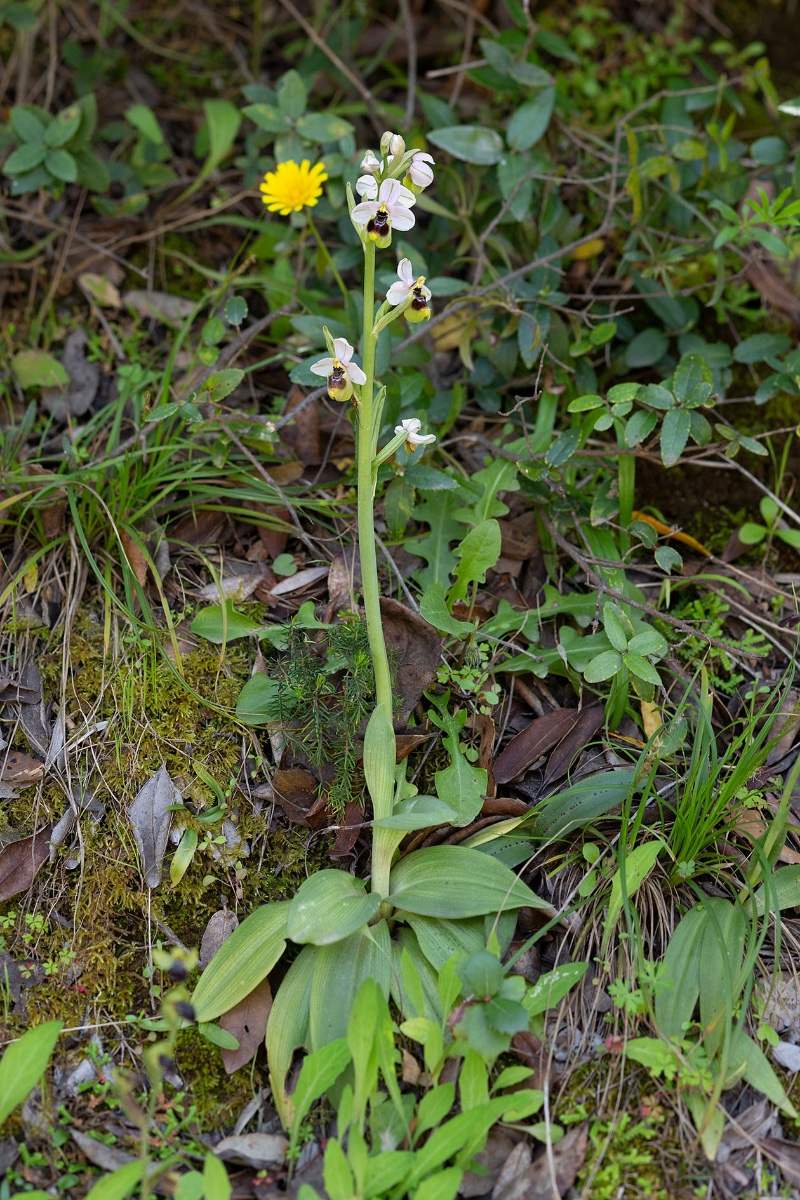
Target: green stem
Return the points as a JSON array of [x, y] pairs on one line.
[[326, 255], [366, 439]]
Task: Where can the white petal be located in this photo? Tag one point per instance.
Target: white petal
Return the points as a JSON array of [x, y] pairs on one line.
[[356, 374], [405, 272], [393, 192], [421, 174], [362, 214], [422, 439], [397, 293], [344, 351], [401, 218], [370, 163], [324, 366], [410, 426], [367, 187]]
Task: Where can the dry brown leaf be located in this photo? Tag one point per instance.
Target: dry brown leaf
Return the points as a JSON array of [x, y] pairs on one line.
[[133, 553], [247, 1021], [20, 769], [150, 818], [786, 1154], [587, 723], [349, 831], [20, 861], [159, 306], [302, 579], [100, 290], [301, 434], [296, 792], [545, 1179], [536, 739], [344, 578], [411, 1068], [416, 647], [256, 1150], [221, 925], [108, 1158]]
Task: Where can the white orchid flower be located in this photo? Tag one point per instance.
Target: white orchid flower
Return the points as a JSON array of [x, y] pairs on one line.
[[339, 371], [370, 163], [367, 187], [420, 169], [391, 209], [393, 144], [407, 284], [411, 428]]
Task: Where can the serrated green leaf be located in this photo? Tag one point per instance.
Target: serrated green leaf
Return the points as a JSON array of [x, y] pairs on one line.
[[603, 667], [477, 553], [638, 665]]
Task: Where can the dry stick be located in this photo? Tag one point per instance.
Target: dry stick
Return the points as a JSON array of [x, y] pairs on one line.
[[42, 222], [342, 67], [59, 271], [602, 586], [469, 34]]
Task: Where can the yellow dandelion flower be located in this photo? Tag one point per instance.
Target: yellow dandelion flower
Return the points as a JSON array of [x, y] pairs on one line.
[[292, 187]]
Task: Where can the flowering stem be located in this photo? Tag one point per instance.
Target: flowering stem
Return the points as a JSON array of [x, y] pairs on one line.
[[326, 255], [366, 420]]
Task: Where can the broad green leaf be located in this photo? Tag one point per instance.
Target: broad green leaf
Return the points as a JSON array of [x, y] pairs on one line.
[[443, 1185], [657, 397], [323, 127], [433, 607], [617, 635], [384, 1171], [379, 762], [638, 665], [217, 624], [429, 479], [478, 551], [145, 120], [217, 1036], [339, 971], [563, 448], [652, 1053], [674, 433], [452, 881], [118, 1184], [529, 123], [328, 907], [603, 667], [398, 504], [647, 348], [439, 940], [182, 858], [649, 641], [63, 126], [319, 1071], [28, 126], [419, 812], [638, 865], [549, 989], [784, 890], [758, 1071], [242, 961], [258, 700], [92, 171], [267, 117], [639, 427], [223, 119], [35, 368], [25, 158], [434, 1107], [581, 803], [693, 380], [336, 1172], [668, 559], [221, 384], [292, 95], [760, 347], [719, 967], [471, 143], [585, 404], [675, 1001], [216, 1185], [24, 1063], [288, 1027]]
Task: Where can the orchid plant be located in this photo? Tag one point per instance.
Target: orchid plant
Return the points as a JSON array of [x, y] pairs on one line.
[[418, 911]]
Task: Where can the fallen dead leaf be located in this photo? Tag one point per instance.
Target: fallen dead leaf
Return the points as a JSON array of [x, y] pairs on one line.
[[492, 1158], [20, 769], [108, 1158], [301, 434], [411, 1068], [587, 723], [221, 925], [20, 861], [296, 791], [256, 1150], [84, 380], [536, 739], [302, 579], [247, 1021], [100, 290], [545, 1179], [349, 831], [159, 306], [150, 818], [344, 578], [416, 647], [786, 1154]]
